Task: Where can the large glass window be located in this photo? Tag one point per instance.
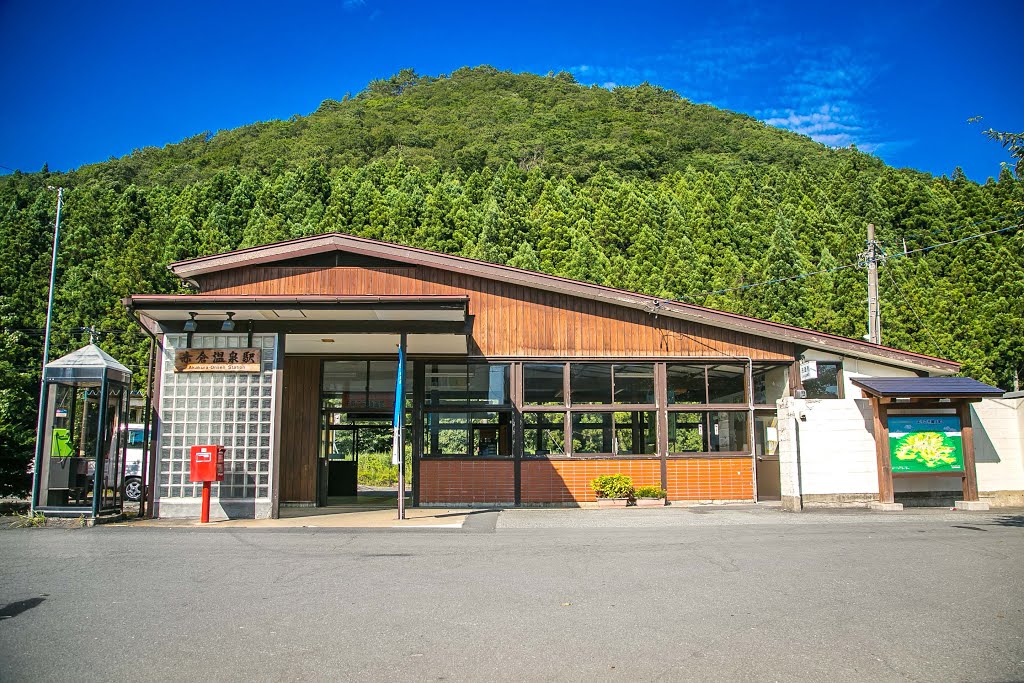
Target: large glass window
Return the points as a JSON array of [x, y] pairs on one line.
[[592, 432], [361, 385], [543, 384], [634, 383], [715, 384], [590, 383], [601, 384], [467, 384], [636, 433], [708, 432], [686, 384], [771, 382], [620, 433], [543, 434], [467, 434], [826, 384], [727, 384]]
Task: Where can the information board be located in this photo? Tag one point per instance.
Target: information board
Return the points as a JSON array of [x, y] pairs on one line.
[[925, 443]]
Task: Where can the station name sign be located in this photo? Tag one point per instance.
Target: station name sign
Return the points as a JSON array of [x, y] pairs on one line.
[[217, 360]]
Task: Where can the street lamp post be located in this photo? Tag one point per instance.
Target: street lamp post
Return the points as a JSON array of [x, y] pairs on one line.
[[41, 424]]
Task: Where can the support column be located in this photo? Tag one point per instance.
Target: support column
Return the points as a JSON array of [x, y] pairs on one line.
[[970, 481], [886, 500], [789, 454], [516, 425], [275, 453]]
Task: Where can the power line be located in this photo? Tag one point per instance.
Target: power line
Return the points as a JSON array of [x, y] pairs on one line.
[[844, 267], [993, 219], [962, 239], [888, 271]]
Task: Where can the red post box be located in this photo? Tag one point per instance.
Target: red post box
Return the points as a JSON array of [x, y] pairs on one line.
[[207, 466], [207, 463]]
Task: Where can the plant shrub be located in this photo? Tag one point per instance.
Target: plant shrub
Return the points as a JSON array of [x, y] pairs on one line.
[[375, 469], [612, 486], [650, 492]]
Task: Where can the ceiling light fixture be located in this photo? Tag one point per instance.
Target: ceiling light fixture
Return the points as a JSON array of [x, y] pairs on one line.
[[229, 324], [191, 325]]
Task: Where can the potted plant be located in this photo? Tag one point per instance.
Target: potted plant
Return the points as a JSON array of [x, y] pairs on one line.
[[613, 490], [650, 496]]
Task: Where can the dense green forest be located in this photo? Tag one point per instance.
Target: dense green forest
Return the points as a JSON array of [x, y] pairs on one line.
[[634, 188]]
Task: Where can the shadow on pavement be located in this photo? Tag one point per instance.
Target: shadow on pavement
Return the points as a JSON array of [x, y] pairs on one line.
[[13, 609], [1009, 520]]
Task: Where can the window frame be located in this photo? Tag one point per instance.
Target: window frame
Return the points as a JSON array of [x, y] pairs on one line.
[[706, 413], [467, 405], [707, 367], [510, 422], [840, 381]]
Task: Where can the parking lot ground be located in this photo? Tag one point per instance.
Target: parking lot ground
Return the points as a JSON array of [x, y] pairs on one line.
[[729, 595]]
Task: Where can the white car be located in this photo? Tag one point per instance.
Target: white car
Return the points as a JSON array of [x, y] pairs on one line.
[[132, 485]]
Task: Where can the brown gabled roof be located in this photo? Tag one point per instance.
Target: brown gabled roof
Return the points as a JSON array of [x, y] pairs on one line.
[[317, 244]]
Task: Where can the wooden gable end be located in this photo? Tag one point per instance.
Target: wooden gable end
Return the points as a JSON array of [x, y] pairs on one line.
[[511, 320]]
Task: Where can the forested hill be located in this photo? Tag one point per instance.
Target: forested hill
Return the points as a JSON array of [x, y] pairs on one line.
[[634, 188], [479, 118]]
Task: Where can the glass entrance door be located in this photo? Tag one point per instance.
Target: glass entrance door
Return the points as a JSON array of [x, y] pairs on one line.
[[357, 407], [351, 439]]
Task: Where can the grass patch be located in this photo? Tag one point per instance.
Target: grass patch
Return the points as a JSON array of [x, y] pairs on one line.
[[375, 469]]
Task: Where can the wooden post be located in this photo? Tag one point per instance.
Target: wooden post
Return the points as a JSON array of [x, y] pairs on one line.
[[880, 412], [970, 480]]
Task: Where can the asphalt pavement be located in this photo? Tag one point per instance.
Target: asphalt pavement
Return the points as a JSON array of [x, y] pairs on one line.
[[524, 596]]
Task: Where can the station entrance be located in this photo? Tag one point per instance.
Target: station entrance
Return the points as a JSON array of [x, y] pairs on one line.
[[356, 417]]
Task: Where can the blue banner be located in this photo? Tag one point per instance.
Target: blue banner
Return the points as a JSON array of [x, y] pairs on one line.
[[398, 421]]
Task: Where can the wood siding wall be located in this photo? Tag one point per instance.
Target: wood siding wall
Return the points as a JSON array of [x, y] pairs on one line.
[[513, 320], [300, 414]]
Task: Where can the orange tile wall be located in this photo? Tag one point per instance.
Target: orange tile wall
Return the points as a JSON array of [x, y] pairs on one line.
[[466, 481], [567, 481], [710, 479]]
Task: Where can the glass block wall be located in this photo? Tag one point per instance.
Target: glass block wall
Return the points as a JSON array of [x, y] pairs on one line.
[[231, 409]]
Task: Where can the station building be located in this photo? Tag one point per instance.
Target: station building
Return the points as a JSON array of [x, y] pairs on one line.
[[520, 387]]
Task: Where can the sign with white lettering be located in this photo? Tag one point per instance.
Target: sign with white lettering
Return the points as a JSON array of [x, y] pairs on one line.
[[217, 360]]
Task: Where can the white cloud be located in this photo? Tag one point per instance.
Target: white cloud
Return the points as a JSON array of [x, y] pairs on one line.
[[813, 89]]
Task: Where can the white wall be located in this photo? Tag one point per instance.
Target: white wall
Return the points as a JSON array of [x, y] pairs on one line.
[[827, 447], [998, 448], [837, 449]]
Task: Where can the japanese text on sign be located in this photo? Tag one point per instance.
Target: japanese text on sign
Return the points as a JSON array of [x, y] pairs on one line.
[[217, 360]]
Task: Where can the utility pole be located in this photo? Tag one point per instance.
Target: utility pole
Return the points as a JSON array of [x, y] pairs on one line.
[[41, 425], [871, 256]]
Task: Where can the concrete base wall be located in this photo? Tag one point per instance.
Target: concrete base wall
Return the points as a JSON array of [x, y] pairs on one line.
[[839, 500], [1003, 499], [228, 509]]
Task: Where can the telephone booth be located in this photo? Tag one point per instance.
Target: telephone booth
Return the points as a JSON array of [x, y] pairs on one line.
[[80, 448]]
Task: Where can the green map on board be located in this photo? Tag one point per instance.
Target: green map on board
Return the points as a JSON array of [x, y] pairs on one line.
[[925, 443]]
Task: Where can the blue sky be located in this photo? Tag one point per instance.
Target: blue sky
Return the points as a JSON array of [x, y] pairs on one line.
[[87, 81]]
